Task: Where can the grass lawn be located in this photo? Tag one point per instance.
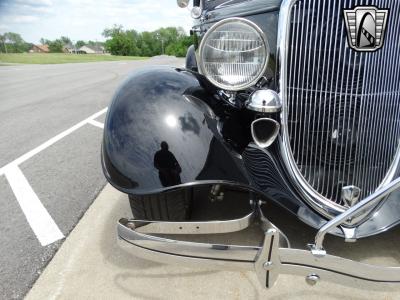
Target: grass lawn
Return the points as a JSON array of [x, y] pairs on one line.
[[59, 58]]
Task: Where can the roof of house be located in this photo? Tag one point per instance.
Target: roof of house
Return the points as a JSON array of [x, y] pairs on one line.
[[44, 48], [95, 47]]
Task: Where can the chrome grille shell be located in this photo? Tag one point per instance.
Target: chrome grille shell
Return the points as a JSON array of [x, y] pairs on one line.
[[313, 82]]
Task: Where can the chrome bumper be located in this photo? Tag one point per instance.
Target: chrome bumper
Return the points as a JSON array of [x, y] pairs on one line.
[[268, 260]]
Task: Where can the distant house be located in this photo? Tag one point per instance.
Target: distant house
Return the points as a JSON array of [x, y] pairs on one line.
[[69, 48], [92, 49], [40, 49]]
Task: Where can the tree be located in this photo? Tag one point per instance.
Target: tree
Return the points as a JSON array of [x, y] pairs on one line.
[[66, 40], [172, 40], [3, 43], [80, 43], [13, 42], [56, 46], [121, 42], [179, 48], [111, 32]]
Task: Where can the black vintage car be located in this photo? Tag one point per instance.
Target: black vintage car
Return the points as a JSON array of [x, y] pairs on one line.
[[294, 102]]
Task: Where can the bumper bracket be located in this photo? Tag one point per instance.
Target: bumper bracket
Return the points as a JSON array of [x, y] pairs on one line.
[[268, 260]]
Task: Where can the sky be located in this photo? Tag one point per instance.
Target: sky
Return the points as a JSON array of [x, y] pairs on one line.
[[86, 19]]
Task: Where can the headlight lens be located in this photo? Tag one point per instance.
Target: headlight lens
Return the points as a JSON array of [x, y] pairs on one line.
[[234, 54]]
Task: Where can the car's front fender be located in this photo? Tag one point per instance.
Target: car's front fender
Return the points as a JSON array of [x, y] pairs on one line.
[[162, 104]]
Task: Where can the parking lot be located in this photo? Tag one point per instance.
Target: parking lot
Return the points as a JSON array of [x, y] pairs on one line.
[[51, 120]]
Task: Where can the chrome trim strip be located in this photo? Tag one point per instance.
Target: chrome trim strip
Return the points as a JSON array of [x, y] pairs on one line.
[[338, 266], [228, 226], [396, 161], [184, 248], [327, 208], [174, 258]]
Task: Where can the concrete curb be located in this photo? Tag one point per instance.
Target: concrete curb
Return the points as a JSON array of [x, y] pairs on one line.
[[89, 265]]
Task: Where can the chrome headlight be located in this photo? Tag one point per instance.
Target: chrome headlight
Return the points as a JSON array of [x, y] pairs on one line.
[[234, 54]]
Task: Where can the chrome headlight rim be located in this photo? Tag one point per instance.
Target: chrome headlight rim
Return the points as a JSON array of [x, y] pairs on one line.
[[262, 70]]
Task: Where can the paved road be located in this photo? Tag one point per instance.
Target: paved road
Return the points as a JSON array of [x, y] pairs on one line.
[[49, 158]]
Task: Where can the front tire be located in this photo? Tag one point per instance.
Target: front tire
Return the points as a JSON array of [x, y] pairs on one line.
[[169, 206]]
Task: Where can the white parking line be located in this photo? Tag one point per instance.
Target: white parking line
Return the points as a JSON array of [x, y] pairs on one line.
[[96, 123], [51, 141], [42, 224]]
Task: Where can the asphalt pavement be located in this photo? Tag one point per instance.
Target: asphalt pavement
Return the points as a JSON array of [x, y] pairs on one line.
[[51, 119]]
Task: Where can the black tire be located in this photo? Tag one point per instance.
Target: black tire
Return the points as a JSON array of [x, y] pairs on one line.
[[171, 206]]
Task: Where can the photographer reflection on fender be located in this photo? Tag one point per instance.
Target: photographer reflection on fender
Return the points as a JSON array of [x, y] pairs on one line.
[[168, 167]]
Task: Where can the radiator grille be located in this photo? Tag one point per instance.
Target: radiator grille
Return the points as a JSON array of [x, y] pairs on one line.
[[341, 106]]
